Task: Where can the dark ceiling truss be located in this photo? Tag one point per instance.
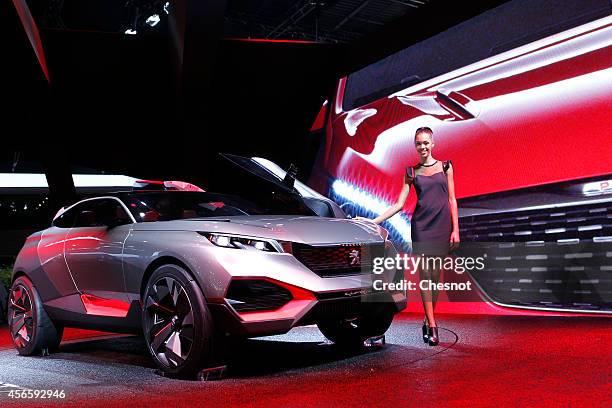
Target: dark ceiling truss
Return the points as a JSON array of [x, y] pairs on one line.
[[305, 35], [336, 21], [301, 10], [352, 14], [409, 3]]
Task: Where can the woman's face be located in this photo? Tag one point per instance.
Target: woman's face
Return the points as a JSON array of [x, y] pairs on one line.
[[423, 144]]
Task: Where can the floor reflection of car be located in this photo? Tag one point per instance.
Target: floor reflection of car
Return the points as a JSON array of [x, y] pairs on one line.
[[188, 269]]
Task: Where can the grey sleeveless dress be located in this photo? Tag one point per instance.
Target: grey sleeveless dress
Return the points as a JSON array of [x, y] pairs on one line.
[[431, 223]]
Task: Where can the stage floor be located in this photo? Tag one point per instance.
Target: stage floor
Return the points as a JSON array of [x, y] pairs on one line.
[[481, 361]]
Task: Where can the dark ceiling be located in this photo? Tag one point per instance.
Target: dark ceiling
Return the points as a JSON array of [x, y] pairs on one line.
[[164, 102], [335, 21], [331, 21]]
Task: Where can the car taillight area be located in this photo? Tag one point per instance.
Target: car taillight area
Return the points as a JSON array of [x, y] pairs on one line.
[[338, 260]]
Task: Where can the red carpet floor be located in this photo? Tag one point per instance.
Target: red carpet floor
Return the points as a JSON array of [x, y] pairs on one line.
[[482, 361]]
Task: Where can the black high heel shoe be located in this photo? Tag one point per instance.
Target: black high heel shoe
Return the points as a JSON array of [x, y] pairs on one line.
[[433, 336], [425, 333]]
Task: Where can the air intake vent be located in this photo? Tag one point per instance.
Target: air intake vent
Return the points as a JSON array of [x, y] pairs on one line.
[[256, 295]]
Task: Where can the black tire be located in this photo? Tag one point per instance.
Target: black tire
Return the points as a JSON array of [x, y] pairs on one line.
[[177, 324], [30, 327], [351, 332]]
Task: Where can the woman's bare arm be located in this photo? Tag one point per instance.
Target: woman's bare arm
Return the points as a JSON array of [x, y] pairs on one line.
[[397, 207], [454, 239]]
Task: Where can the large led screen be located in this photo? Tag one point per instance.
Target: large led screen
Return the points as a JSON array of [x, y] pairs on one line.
[[528, 131]]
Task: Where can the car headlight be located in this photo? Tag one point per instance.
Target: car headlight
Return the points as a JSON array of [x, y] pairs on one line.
[[242, 242]]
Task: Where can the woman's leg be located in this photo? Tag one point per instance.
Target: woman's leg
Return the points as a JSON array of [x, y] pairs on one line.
[[427, 297], [430, 297], [435, 278]]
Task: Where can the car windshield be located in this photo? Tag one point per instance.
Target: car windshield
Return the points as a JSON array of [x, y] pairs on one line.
[[174, 205]]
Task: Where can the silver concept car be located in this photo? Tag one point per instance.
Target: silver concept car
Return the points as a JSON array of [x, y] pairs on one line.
[[188, 270]]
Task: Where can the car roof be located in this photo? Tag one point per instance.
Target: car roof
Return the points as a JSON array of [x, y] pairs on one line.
[[121, 194], [137, 192]]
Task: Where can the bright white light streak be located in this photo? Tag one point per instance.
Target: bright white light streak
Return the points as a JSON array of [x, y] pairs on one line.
[[367, 201], [508, 55], [37, 180], [532, 61]]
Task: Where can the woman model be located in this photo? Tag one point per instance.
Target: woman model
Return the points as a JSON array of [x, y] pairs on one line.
[[434, 225]]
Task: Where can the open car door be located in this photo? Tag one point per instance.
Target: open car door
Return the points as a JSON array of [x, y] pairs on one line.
[[258, 179]]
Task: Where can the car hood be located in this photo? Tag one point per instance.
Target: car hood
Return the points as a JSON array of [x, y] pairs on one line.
[[304, 229]]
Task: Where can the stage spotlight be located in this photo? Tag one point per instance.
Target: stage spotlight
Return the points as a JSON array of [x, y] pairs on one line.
[[130, 31], [152, 20], [167, 7]]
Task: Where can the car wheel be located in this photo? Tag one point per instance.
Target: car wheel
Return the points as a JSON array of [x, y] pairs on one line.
[[351, 332], [30, 327], [177, 324]]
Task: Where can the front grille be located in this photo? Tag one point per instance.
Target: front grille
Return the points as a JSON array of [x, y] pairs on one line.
[[559, 257], [251, 295], [338, 260]]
